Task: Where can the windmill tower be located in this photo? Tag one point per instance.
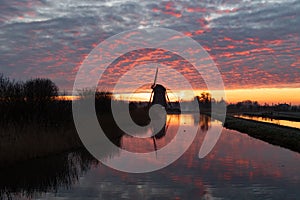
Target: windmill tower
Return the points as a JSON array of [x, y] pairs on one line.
[[159, 93]]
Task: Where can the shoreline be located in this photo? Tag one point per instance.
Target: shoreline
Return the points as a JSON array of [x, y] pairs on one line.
[[274, 134], [276, 115]]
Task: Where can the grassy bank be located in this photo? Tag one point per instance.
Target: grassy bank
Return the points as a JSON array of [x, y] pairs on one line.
[[274, 134]]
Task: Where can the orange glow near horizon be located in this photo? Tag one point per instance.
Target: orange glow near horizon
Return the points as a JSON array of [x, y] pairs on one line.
[[261, 95], [67, 98], [265, 95]]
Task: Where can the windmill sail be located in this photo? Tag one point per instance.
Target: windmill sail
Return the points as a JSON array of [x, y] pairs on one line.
[[155, 78]]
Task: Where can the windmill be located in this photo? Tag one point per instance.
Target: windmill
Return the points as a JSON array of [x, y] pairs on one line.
[[159, 94]]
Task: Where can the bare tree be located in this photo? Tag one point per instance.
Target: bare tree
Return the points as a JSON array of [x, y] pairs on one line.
[[5, 84], [40, 90]]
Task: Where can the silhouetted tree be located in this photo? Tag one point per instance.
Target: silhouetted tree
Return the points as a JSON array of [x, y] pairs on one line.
[[103, 101], [5, 84], [205, 98], [40, 90], [204, 101], [10, 90]]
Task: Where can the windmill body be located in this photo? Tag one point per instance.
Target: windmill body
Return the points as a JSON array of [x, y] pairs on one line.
[[159, 95]]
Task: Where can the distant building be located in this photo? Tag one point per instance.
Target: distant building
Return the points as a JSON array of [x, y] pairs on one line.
[[283, 107]]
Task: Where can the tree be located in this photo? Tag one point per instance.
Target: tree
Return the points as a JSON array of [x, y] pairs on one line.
[[40, 90], [205, 98], [5, 84], [10, 90]]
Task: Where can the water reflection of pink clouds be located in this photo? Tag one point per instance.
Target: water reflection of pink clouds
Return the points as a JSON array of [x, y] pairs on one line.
[[238, 160], [232, 159], [233, 152], [173, 123]]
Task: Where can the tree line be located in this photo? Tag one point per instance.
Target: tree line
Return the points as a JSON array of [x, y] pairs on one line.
[[33, 100], [33, 90]]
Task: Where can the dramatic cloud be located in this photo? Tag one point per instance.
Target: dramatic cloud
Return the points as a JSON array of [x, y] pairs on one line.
[[254, 43]]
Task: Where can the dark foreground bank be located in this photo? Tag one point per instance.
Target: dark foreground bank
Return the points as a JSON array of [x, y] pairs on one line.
[[25, 140]]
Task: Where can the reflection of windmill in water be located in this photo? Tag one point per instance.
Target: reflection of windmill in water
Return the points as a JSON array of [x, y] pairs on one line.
[[160, 96], [161, 133]]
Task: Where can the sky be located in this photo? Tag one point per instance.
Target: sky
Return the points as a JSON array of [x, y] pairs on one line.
[[255, 44]]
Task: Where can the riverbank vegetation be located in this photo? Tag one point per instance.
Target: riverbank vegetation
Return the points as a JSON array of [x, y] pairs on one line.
[[274, 134]]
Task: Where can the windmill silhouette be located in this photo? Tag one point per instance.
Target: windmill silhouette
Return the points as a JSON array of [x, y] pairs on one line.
[[159, 94]]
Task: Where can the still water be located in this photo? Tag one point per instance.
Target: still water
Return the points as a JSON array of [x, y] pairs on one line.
[[238, 167], [288, 123]]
